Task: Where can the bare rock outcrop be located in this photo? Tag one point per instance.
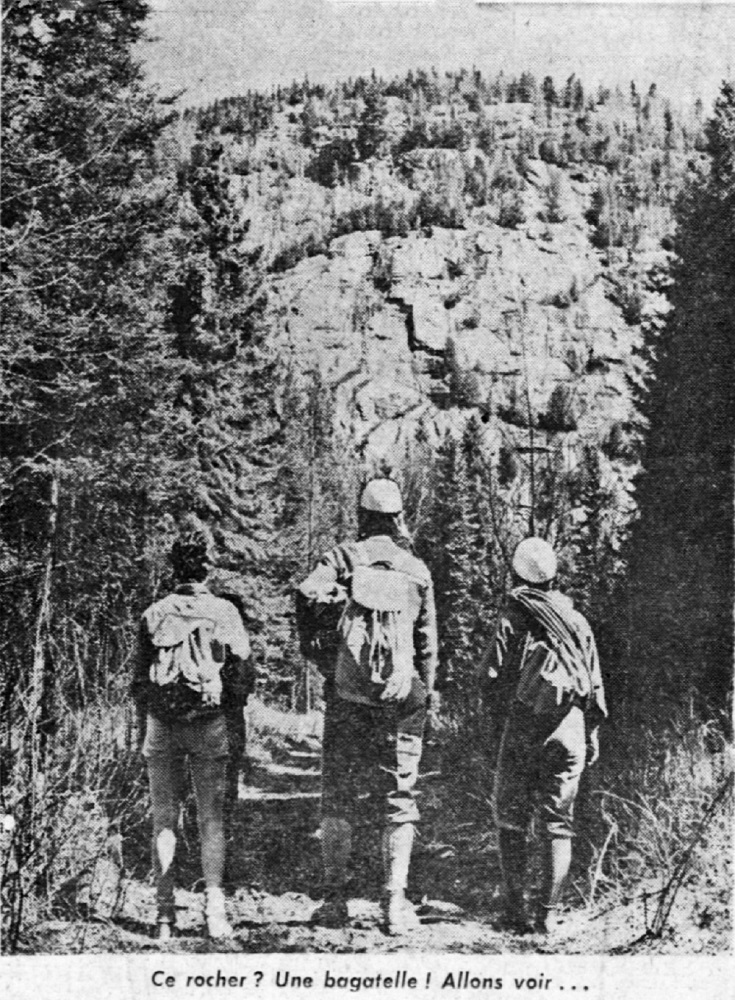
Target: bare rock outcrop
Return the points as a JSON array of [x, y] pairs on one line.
[[527, 309]]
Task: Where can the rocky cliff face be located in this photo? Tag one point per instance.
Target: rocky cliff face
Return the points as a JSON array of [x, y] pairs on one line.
[[530, 315]]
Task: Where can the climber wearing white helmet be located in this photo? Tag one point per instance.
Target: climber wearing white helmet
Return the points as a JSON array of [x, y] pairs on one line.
[[549, 699], [378, 655]]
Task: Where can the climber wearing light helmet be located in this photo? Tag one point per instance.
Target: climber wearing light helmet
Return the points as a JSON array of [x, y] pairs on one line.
[[379, 674], [549, 700]]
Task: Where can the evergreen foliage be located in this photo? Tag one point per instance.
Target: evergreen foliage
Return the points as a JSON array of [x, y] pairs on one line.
[[222, 403], [315, 494], [333, 164], [594, 564], [560, 415], [370, 129], [462, 385], [83, 206], [140, 388], [681, 579], [309, 121], [465, 539], [553, 194]]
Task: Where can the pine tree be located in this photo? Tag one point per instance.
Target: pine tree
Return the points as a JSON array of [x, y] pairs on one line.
[[462, 385], [561, 413], [371, 132], [82, 208], [309, 120], [595, 566], [527, 88], [453, 579], [314, 493], [553, 195], [550, 96], [82, 213], [224, 407], [487, 552], [681, 594]]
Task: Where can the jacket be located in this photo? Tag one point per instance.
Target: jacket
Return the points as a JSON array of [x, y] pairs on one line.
[[172, 697], [332, 577], [517, 626]]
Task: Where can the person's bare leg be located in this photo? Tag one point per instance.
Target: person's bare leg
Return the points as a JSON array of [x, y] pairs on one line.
[[209, 780], [397, 844], [166, 781], [558, 861]]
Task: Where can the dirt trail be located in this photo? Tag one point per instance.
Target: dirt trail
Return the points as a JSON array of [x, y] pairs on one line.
[[273, 884]]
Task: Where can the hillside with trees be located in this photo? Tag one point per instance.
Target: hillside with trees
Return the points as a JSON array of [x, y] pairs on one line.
[[513, 295]]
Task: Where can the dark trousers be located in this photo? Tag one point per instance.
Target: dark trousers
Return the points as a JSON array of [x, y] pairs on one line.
[[372, 752]]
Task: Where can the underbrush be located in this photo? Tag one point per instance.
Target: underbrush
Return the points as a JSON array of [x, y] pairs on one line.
[[659, 816], [654, 818], [77, 809], [69, 806]]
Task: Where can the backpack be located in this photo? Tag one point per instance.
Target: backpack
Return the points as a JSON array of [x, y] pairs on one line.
[[376, 628], [553, 671], [317, 624], [188, 662]]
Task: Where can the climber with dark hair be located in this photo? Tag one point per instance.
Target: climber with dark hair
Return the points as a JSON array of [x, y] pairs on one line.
[[187, 642]]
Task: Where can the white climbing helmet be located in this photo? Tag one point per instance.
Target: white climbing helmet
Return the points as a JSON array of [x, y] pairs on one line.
[[534, 561], [382, 496]]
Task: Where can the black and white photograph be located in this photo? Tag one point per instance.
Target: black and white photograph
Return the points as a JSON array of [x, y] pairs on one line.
[[367, 410]]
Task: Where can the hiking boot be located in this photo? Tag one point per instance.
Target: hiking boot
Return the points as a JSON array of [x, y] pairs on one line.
[[336, 849], [516, 921], [333, 913], [218, 926], [164, 930], [399, 915], [547, 920], [165, 923]]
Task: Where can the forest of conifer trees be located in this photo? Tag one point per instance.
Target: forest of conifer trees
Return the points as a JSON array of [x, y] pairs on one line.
[[141, 383]]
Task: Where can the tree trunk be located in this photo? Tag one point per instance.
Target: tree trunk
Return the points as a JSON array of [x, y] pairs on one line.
[[38, 704]]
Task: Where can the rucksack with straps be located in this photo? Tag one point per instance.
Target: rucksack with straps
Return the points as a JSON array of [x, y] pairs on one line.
[[553, 671], [376, 627], [186, 671]]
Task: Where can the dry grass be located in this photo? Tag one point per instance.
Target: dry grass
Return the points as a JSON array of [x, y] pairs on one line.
[[74, 813], [656, 819], [70, 813], [661, 816]]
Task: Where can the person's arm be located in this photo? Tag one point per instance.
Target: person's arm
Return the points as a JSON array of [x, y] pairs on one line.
[[597, 709], [326, 582], [598, 702], [592, 754], [238, 675], [319, 601], [499, 662]]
